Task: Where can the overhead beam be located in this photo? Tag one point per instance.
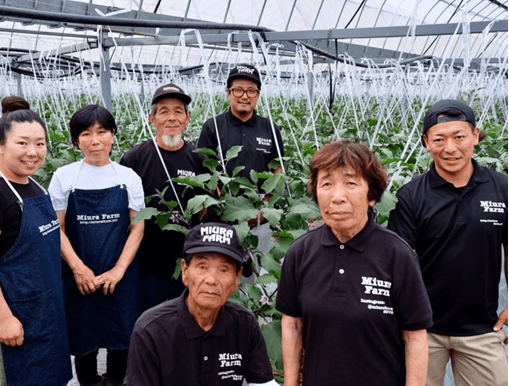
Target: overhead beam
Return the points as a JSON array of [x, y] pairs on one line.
[[58, 51]]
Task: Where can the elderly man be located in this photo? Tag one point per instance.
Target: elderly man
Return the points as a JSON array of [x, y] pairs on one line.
[[156, 162], [241, 126], [201, 338], [455, 217]]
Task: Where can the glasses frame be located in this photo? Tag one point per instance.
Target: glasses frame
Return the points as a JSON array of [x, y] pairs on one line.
[[235, 91]]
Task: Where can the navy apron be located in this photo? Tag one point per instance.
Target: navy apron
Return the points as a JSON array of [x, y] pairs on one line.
[[97, 225], [30, 277]]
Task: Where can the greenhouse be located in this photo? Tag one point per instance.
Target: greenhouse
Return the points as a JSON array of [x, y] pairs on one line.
[[362, 70]]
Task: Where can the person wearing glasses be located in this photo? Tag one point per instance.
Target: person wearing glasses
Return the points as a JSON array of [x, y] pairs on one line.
[[259, 137]]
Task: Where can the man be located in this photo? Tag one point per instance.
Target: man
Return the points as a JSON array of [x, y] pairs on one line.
[[159, 250], [455, 217], [241, 126], [201, 338]]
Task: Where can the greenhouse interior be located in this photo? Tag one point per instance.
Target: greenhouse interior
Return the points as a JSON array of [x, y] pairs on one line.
[[366, 70]]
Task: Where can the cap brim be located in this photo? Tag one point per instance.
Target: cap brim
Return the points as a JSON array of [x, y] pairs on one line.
[[215, 248]]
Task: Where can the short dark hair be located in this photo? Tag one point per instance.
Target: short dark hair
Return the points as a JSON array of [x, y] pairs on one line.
[[358, 156], [87, 116], [17, 109], [189, 257]]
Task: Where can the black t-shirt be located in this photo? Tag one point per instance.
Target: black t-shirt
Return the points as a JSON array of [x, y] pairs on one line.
[[10, 211], [255, 135], [160, 249], [355, 298], [458, 235], [169, 348]]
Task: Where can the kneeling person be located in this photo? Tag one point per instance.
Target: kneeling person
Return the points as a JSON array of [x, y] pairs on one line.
[[201, 338]]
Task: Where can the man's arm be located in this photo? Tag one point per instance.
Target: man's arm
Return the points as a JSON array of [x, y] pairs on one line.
[[416, 357], [502, 318], [291, 345]]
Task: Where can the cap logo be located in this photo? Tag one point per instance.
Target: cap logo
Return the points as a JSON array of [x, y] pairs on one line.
[[245, 69], [171, 88], [215, 234]]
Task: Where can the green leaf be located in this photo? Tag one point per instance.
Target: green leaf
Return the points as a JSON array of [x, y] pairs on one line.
[[266, 279], [238, 209], [275, 183], [176, 228], [211, 164], [253, 175], [205, 150], [237, 170], [269, 263], [272, 334], [232, 153], [188, 181], [145, 214], [386, 204], [197, 203], [272, 215], [242, 230], [176, 273]]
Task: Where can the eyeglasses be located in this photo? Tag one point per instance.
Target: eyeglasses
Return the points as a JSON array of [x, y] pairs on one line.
[[239, 92]]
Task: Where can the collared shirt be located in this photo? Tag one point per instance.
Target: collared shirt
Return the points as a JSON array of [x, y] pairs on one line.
[[255, 135], [458, 235], [169, 348], [355, 299]]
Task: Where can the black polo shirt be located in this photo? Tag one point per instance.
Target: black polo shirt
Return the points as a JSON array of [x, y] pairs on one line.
[[355, 299], [255, 135], [169, 348], [458, 235], [158, 253]]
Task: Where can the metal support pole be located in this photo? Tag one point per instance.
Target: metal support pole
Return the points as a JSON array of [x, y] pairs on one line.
[[105, 75], [20, 87]]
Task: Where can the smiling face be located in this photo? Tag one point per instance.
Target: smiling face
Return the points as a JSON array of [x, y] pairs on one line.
[[170, 119], [451, 145], [210, 278], [23, 151], [343, 201], [95, 142], [243, 107]]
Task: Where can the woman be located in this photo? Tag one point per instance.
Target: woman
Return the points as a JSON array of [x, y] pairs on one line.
[[351, 292], [95, 200], [33, 331]]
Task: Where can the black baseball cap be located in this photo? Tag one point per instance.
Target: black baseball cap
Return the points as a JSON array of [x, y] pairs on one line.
[[432, 117], [173, 91], [214, 237], [245, 71]]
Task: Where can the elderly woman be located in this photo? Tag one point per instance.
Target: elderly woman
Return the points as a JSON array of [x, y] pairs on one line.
[[351, 292], [95, 200]]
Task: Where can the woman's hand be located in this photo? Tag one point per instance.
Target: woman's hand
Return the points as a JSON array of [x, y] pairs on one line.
[[11, 331], [86, 280], [109, 279]]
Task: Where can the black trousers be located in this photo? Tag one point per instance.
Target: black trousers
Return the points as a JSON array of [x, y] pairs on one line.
[[86, 366]]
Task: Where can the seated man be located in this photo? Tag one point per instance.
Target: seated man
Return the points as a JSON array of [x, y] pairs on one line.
[[200, 338]]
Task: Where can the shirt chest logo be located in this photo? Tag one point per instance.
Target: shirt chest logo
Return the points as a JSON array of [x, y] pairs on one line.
[[230, 360], [264, 141], [373, 286], [186, 173], [493, 207]]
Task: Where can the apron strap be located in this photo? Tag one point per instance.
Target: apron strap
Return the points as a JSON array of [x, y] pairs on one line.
[[20, 200], [77, 174]]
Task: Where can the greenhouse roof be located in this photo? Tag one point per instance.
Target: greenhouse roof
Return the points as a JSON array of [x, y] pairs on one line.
[[357, 29]]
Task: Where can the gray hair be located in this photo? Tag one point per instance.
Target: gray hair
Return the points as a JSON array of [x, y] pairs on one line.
[[153, 108]]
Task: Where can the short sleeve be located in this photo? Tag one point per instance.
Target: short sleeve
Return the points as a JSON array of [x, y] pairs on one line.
[[136, 194], [258, 369], [143, 364], [402, 220], [409, 296], [57, 193], [287, 300]]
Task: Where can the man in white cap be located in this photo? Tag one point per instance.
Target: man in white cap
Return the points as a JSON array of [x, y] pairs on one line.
[[455, 217], [201, 338]]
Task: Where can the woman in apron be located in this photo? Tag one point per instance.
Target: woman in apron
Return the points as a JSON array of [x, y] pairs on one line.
[[33, 330], [95, 200]]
